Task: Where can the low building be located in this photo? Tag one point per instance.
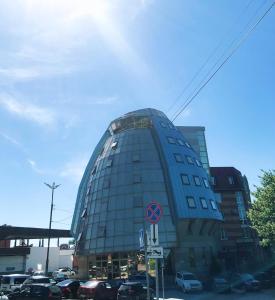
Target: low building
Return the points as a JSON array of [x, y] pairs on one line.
[[18, 255], [239, 242]]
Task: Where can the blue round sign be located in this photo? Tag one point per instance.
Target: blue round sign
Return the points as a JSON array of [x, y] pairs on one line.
[[153, 212]]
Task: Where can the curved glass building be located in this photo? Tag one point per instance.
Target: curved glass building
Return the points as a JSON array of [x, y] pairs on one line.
[[143, 157]]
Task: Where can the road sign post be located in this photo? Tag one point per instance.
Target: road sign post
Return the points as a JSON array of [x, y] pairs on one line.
[[153, 215]]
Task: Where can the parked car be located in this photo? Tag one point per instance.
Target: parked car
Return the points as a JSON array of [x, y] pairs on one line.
[[11, 283], [67, 272], [36, 292], [245, 282], [97, 290], [37, 279], [69, 287], [188, 282], [141, 277], [265, 279], [133, 291], [221, 285]]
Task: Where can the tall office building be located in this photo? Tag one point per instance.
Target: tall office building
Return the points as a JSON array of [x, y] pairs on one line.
[[143, 157], [195, 135]]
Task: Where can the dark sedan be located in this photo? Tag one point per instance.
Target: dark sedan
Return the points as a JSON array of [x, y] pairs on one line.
[[246, 282], [69, 288], [37, 292], [97, 290], [265, 279]]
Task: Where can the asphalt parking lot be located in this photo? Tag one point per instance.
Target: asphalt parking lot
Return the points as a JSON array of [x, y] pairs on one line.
[[173, 294]]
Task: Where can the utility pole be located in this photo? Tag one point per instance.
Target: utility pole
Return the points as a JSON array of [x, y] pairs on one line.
[[52, 187]]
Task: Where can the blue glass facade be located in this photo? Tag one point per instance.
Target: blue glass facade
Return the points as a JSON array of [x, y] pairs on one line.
[[142, 157]]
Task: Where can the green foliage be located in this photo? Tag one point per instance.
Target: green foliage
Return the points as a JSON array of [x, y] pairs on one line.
[[262, 213]]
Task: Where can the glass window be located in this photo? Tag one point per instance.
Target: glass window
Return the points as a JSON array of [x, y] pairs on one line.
[[180, 142], [114, 145], [197, 180], [178, 157], [136, 178], [185, 179], [138, 201], [223, 234], [170, 126], [213, 180], [189, 159], [106, 183], [135, 158], [101, 231], [171, 140], [84, 213], [191, 202], [163, 124], [79, 236], [94, 170], [203, 203], [213, 204], [198, 163], [205, 182], [187, 145], [109, 162], [231, 180]]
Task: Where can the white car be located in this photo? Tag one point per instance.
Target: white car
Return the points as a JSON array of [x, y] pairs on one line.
[[63, 272], [188, 282]]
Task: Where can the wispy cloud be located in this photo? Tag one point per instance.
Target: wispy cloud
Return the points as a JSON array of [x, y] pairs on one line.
[[28, 111], [74, 170], [34, 167], [10, 139]]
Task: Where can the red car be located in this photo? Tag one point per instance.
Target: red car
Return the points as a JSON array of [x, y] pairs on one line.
[[97, 290]]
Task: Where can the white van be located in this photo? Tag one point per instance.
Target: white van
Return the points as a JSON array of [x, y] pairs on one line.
[[11, 283]]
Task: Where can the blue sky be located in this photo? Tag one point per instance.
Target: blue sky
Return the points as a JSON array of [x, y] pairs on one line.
[[67, 68]]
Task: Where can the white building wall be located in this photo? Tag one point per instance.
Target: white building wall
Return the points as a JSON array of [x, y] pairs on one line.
[[57, 258], [11, 264]]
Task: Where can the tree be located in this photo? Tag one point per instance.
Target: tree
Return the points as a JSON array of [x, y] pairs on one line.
[[262, 212]]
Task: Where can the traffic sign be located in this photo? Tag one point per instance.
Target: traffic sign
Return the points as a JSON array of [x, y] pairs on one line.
[[155, 252], [153, 212], [154, 236]]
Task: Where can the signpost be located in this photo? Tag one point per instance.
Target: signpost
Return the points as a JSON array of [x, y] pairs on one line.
[[154, 252], [153, 215]]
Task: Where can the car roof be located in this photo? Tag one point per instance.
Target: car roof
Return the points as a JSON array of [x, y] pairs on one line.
[[39, 276], [16, 275], [185, 273], [40, 284], [131, 283]]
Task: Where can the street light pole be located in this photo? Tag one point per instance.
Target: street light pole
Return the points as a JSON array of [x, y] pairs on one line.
[[52, 187]]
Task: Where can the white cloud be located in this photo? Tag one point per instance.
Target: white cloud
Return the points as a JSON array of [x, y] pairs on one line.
[[10, 139], [19, 73], [34, 167], [41, 116], [74, 170]]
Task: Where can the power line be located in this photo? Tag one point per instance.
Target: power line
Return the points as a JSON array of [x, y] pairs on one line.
[[224, 61], [208, 59]]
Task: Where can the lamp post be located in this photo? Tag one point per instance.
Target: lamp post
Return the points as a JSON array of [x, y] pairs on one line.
[[52, 187]]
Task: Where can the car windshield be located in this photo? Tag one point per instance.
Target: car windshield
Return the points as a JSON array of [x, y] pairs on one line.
[[64, 283], [189, 277], [90, 284], [247, 277]]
